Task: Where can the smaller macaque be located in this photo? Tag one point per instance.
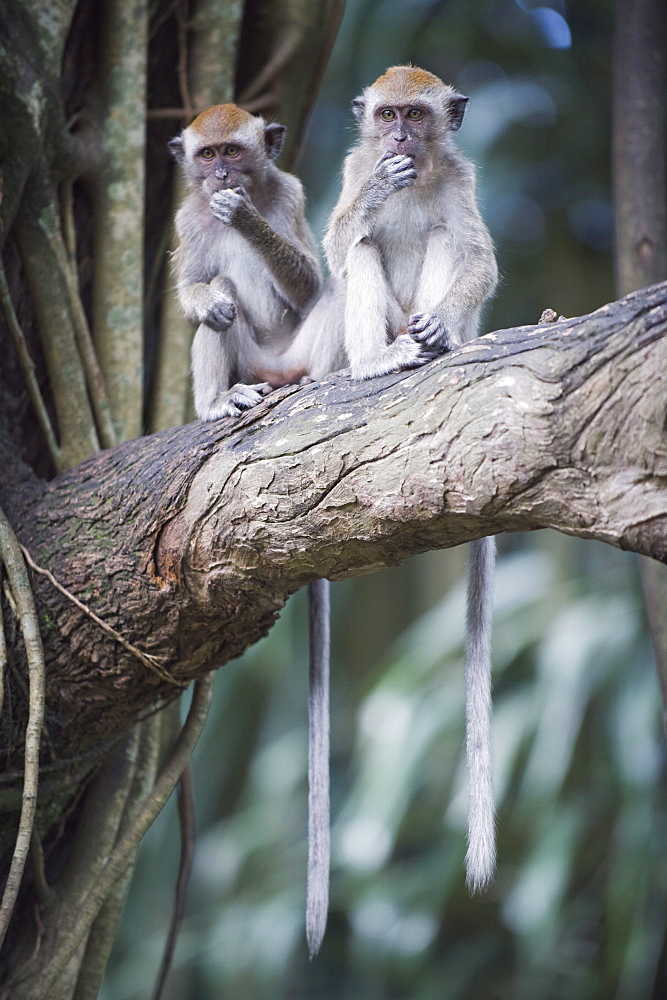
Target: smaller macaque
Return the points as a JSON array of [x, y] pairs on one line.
[[246, 266]]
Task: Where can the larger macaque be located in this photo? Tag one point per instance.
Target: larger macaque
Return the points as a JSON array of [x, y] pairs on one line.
[[246, 266], [411, 259], [406, 239], [412, 264]]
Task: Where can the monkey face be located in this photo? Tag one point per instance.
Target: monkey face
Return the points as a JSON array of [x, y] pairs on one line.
[[405, 129], [227, 165], [225, 147], [409, 111]]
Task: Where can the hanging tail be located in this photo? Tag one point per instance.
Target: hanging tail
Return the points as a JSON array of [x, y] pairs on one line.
[[319, 849], [481, 854]]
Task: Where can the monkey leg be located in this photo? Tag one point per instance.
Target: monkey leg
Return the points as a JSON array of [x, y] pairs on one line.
[[447, 309], [318, 347], [369, 309], [214, 357]]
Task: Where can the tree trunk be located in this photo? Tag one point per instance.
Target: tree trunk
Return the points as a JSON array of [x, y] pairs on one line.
[[640, 204], [188, 543]]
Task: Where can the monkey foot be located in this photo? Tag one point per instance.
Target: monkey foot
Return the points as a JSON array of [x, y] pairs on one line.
[[232, 403], [404, 353]]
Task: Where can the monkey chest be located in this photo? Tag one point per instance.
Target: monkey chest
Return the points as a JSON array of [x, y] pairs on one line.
[[257, 292], [403, 251]]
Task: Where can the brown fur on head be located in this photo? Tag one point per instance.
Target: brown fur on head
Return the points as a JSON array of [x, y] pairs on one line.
[[226, 147], [404, 87], [406, 82]]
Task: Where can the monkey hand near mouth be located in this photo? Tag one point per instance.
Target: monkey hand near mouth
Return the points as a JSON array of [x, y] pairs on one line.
[[232, 206]]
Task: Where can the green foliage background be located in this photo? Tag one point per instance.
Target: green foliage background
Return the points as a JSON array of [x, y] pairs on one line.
[[578, 907]]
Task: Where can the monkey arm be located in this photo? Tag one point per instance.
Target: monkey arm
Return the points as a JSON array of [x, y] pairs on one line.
[[296, 270], [458, 273], [212, 303], [354, 217]]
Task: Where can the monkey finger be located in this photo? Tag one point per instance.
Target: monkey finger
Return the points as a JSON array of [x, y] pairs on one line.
[[429, 331], [221, 315], [400, 163], [244, 397], [242, 193], [402, 172], [395, 163], [263, 388], [424, 326], [410, 353], [419, 322], [423, 357], [426, 352], [223, 214], [225, 204], [383, 159]]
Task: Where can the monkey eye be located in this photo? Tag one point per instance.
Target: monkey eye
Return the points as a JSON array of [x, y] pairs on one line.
[[388, 114], [414, 114], [232, 150], [207, 153]]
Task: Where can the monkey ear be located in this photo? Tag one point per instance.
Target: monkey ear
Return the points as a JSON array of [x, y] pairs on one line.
[[358, 108], [456, 107], [274, 137], [176, 147]]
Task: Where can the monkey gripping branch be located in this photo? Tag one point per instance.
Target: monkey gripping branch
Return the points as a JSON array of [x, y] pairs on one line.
[[189, 542]]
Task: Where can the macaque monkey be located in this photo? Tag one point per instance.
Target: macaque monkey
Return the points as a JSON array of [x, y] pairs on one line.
[[415, 263], [246, 267], [247, 272], [412, 264], [406, 239]]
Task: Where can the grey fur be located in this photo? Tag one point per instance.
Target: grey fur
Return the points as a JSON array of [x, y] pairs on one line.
[[481, 854], [411, 259], [247, 273], [317, 900]]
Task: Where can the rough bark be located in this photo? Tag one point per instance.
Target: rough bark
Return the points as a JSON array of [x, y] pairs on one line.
[[638, 148], [640, 205], [117, 189], [281, 69], [189, 542]]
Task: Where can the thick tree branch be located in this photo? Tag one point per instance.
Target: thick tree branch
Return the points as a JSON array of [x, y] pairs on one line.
[[190, 541]]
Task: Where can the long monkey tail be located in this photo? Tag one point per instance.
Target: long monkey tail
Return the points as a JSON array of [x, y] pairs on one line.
[[481, 854], [319, 848]]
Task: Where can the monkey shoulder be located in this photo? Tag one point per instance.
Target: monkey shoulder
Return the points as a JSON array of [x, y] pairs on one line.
[[359, 165], [285, 200], [459, 177]]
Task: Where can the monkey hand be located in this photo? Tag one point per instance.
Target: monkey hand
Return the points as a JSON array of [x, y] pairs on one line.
[[392, 172], [430, 332], [231, 205], [220, 315]]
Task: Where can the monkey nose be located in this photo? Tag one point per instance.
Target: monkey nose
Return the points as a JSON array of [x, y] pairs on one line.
[[400, 136], [221, 174]]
